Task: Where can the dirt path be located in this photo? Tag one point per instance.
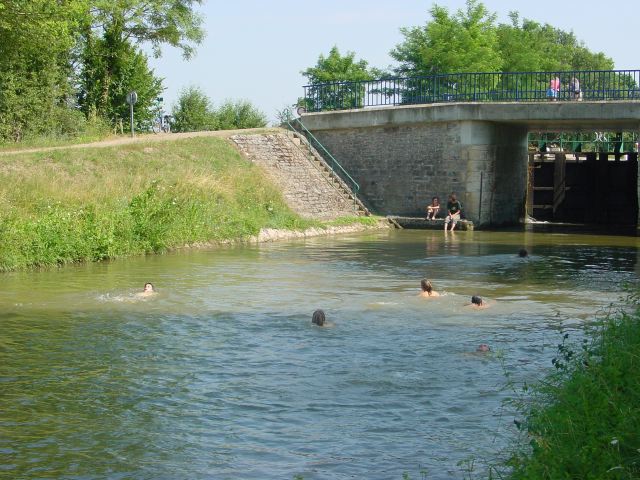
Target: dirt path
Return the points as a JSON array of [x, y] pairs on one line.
[[147, 138]]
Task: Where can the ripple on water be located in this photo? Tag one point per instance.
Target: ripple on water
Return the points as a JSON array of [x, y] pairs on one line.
[[221, 374]]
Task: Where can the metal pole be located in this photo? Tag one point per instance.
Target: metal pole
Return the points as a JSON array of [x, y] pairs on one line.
[[131, 105], [480, 203]]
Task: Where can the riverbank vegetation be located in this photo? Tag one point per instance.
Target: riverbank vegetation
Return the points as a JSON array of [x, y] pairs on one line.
[[583, 421], [87, 204]]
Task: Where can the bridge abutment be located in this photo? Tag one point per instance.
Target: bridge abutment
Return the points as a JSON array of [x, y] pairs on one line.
[[401, 168], [402, 156]]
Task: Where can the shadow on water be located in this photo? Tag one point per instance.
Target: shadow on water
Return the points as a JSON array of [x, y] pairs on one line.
[[222, 375]]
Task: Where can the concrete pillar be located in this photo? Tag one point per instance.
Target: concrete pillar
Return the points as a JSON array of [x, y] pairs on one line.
[[496, 172]]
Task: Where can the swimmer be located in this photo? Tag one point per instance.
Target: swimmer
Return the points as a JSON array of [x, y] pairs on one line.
[[523, 253], [318, 318], [427, 289], [477, 302], [148, 290], [483, 348]]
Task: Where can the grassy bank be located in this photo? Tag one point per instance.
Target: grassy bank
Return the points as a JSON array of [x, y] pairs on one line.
[[583, 422], [94, 204]]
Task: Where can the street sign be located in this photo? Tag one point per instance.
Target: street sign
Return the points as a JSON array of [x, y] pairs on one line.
[[132, 97]]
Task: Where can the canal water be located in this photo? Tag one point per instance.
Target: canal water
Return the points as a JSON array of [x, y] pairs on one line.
[[221, 375]]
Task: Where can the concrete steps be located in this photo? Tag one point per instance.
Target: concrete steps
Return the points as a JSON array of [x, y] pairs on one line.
[[307, 183]]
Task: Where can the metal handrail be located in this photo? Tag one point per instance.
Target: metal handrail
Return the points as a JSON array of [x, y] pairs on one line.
[[355, 187], [610, 85]]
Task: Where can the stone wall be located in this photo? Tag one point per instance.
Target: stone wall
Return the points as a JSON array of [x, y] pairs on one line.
[[400, 168], [307, 189]]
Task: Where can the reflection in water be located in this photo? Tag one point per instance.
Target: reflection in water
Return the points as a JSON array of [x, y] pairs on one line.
[[221, 375]]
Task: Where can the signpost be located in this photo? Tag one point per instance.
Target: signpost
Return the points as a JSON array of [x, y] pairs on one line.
[[132, 98]]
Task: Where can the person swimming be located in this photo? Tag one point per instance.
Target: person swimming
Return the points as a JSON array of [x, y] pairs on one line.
[[318, 318], [523, 253], [427, 289], [478, 302], [483, 347], [147, 291]]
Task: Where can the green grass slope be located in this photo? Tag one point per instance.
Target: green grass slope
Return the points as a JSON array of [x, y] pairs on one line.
[[89, 204]]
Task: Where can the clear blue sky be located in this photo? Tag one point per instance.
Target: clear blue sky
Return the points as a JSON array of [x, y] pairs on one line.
[[255, 49]]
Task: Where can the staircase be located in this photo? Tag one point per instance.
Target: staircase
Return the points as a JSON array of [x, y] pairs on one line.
[[309, 185], [329, 173]]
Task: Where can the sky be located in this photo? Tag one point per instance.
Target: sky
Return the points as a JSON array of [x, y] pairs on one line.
[[256, 49]]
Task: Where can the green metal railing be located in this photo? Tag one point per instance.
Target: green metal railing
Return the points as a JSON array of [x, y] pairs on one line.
[[576, 85], [333, 164], [585, 142]]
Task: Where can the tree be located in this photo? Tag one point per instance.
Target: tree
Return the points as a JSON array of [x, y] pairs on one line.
[[464, 42], [239, 114], [193, 112], [530, 46], [104, 88], [336, 68], [36, 38], [110, 55]]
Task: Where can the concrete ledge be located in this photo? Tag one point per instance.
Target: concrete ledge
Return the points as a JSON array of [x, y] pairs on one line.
[[420, 223], [624, 115]]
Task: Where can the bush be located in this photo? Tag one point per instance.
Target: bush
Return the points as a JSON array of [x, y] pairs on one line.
[[240, 114], [193, 112], [583, 421]]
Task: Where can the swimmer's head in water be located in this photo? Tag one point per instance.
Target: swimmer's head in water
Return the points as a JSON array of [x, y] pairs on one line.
[[318, 318], [483, 347], [148, 287], [426, 285], [523, 253], [476, 300]]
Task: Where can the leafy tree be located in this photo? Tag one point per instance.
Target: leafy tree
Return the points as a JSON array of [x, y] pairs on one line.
[[193, 112], [530, 46], [466, 41], [239, 114], [36, 38], [111, 60], [105, 87], [336, 68]]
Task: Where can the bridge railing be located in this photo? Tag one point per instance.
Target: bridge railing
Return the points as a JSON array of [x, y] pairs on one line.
[[575, 85]]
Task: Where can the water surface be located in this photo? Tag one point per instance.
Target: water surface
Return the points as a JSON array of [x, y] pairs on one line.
[[221, 374]]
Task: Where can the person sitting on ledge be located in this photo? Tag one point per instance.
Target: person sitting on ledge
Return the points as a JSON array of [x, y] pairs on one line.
[[454, 209], [427, 289], [433, 209]]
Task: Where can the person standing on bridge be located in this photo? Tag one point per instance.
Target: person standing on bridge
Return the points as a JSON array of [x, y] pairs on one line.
[[554, 89], [454, 209]]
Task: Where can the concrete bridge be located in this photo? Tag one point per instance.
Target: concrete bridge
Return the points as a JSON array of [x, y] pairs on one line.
[[403, 155]]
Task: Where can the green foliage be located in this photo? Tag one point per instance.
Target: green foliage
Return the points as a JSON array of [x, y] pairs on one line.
[[463, 42], [193, 112], [36, 37], [583, 421], [471, 41], [337, 68], [531, 46], [239, 114], [158, 22], [57, 55], [110, 71], [131, 200]]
